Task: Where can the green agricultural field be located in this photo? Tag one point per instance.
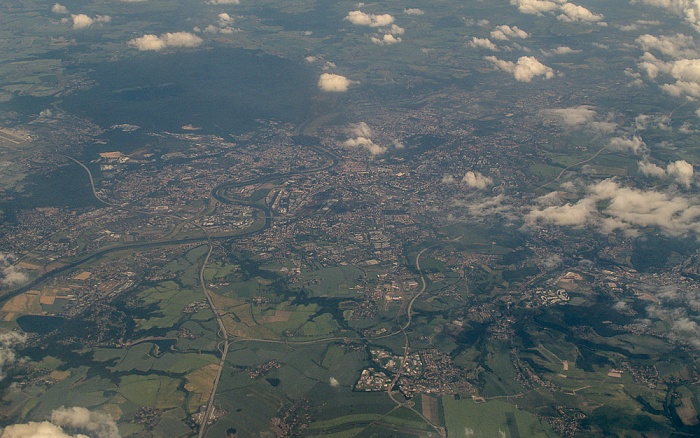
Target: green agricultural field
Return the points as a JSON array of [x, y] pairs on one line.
[[299, 316], [322, 325], [333, 282], [183, 362], [151, 390], [49, 362], [219, 271], [171, 300], [545, 171], [502, 381], [172, 426], [402, 418], [333, 354], [467, 418], [250, 407], [353, 420], [137, 358]]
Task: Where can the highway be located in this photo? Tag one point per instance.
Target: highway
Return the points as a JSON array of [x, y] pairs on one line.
[[407, 349], [224, 352]]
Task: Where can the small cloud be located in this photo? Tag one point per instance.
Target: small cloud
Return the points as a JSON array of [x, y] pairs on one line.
[[561, 50], [477, 208], [580, 117], [75, 422], [527, 68], [476, 180], [333, 83], [634, 144], [628, 27], [675, 46], [650, 169], [685, 8], [386, 40], [682, 171], [58, 8], [224, 2], [535, 7], [362, 137], [8, 342], [483, 43], [568, 12], [397, 30], [10, 274], [81, 21], [505, 32], [359, 18], [166, 40], [327, 65], [621, 306], [223, 25], [224, 18], [413, 11], [571, 13], [333, 382]]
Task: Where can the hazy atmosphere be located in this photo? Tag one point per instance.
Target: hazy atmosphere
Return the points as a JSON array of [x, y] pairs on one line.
[[263, 218]]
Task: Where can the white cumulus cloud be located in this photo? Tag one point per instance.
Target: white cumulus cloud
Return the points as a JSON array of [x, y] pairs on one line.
[[166, 40], [527, 68], [650, 169], [413, 11], [505, 32], [476, 180], [333, 83], [674, 46], [688, 9], [386, 40], [682, 171], [580, 117], [81, 21], [561, 50], [607, 207], [8, 342], [568, 12], [572, 12], [362, 138], [634, 144], [684, 74], [58, 8], [359, 18], [483, 43], [536, 7], [75, 422], [10, 273]]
